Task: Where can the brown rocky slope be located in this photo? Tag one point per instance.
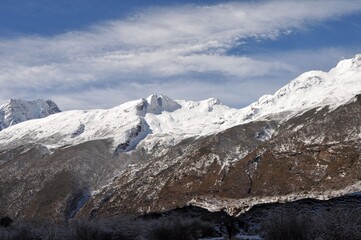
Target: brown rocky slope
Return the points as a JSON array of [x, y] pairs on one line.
[[315, 154]]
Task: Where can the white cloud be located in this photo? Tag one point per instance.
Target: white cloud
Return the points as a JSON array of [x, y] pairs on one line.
[[179, 51]]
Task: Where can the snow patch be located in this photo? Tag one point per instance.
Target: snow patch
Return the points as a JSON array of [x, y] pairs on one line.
[[265, 133], [237, 206]]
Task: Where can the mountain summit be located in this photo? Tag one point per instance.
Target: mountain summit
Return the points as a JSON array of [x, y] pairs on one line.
[[158, 118], [156, 154], [309, 90], [16, 111]]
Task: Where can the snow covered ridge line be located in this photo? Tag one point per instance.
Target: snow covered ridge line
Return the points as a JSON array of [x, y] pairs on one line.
[[235, 207], [16, 111], [157, 116], [159, 119], [309, 90]]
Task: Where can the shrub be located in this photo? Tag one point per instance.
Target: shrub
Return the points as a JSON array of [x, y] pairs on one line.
[[5, 222], [339, 224], [287, 225], [118, 228], [89, 231], [180, 229], [124, 227], [335, 223]]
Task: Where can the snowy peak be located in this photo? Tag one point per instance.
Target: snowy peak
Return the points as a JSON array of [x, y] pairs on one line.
[[16, 111], [146, 121], [158, 103], [310, 90], [356, 62], [353, 64], [159, 119]]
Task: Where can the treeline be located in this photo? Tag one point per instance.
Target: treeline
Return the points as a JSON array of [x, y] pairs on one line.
[[117, 228], [302, 220], [316, 223]]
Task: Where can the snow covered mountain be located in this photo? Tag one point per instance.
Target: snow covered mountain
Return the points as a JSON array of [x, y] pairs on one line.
[[16, 111], [156, 153], [161, 119], [311, 89], [126, 125]]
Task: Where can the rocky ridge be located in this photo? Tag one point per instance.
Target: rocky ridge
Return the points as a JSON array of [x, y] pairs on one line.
[[157, 154]]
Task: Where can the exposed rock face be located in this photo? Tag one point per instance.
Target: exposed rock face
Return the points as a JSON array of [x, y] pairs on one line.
[[308, 156], [157, 154]]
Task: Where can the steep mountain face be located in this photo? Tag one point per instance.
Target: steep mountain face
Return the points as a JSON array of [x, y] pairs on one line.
[[316, 154], [37, 183], [16, 111], [156, 154]]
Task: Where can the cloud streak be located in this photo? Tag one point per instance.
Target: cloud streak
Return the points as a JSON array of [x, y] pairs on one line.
[[176, 51]]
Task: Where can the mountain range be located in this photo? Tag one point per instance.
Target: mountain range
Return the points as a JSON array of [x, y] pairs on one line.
[[156, 153]]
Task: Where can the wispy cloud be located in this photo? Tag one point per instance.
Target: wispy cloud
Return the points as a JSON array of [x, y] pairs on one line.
[[179, 51]]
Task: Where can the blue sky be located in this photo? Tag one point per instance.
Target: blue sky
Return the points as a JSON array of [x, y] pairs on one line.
[[98, 54]]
